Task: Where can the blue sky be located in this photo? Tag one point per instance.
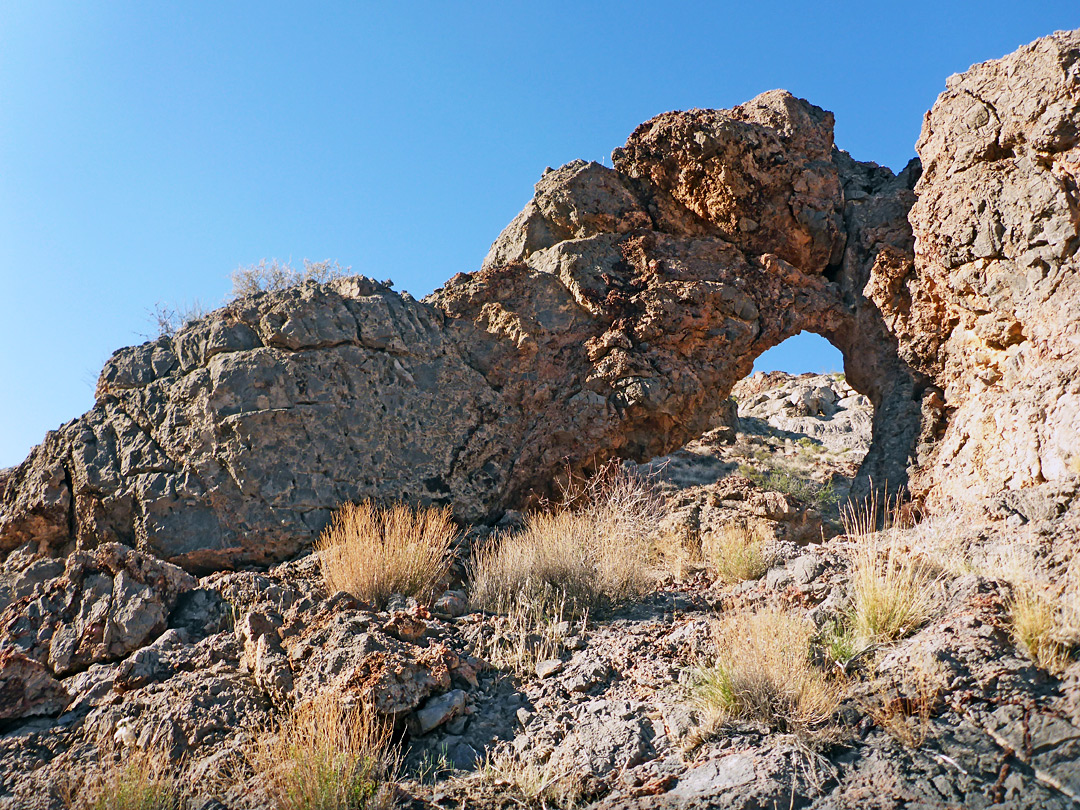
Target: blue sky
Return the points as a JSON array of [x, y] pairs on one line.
[[148, 149]]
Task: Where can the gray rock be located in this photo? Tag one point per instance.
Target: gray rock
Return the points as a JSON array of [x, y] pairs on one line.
[[439, 710], [545, 669]]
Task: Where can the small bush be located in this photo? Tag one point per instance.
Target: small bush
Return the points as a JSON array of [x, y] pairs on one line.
[[736, 553], [806, 490], [763, 672], [595, 549], [171, 318], [838, 641], [273, 275], [137, 782], [327, 756], [373, 552], [1046, 625]]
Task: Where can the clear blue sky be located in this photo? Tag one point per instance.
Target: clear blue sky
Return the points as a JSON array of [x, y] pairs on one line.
[[148, 149]]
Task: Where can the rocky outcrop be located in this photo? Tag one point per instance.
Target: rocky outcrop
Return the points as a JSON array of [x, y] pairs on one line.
[[611, 318], [989, 309]]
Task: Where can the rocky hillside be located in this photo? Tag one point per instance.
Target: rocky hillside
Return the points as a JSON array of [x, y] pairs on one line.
[[827, 591]]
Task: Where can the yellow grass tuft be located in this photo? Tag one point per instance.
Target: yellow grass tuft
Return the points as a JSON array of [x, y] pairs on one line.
[[893, 590], [327, 756], [373, 552], [595, 549], [736, 553], [763, 672], [1046, 624], [138, 781]]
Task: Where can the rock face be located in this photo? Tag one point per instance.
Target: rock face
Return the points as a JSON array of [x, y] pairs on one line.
[[612, 317], [989, 310]]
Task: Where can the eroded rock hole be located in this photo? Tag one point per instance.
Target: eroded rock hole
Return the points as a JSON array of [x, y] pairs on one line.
[[785, 449]]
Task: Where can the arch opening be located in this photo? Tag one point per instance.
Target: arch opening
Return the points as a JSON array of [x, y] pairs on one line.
[[793, 425]]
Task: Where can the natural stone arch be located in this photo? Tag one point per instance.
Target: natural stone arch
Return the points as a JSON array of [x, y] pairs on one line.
[[611, 318]]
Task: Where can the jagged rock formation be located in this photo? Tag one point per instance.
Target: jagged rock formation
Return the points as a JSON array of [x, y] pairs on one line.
[[612, 317], [989, 309]]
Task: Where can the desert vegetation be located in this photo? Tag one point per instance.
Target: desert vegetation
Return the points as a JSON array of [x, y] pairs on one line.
[[271, 275], [327, 755], [137, 781], [594, 549], [736, 553], [374, 552], [763, 671]]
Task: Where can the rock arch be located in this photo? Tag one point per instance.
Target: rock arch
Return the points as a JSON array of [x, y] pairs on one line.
[[611, 317]]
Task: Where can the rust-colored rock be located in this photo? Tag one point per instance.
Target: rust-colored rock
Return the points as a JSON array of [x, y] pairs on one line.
[[990, 310], [611, 318]]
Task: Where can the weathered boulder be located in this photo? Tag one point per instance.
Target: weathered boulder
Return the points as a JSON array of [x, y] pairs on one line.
[[611, 318], [103, 605]]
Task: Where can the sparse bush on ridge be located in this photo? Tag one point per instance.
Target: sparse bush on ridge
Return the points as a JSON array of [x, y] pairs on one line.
[[373, 552], [273, 275], [327, 755], [763, 672], [592, 550], [171, 318]]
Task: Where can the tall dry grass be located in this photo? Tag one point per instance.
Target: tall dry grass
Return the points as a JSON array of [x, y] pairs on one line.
[[763, 671], [592, 550], [1046, 622], [138, 781], [736, 553], [893, 590], [373, 552], [327, 756]]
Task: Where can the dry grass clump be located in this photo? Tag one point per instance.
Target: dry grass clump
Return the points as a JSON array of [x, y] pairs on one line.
[[327, 756], [373, 552], [1047, 624], [273, 275], [893, 590], [904, 710], [526, 633], [593, 549], [138, 781], [763, 671], [736, 553], [543, 785]]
